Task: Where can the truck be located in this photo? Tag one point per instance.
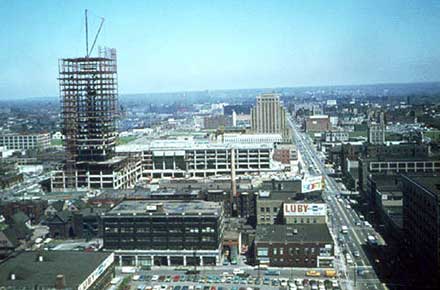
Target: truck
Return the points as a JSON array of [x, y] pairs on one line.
[[344, 229], [269, 272], [348, 259]]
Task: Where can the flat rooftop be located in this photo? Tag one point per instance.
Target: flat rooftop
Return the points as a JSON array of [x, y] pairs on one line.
[[432, 183], [307, 233], [177, 144], [169, 207], [30, 273], [392, 158], [318, 117]]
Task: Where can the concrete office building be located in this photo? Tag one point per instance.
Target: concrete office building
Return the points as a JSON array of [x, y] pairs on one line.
[[336, 136], [217, 121], [189, 158], [146, 232], [382, 165], [294, 246], [89, 107], [268, 116], [15, 141], [421, 223], [251, 138], [376, 129], [269, 206]]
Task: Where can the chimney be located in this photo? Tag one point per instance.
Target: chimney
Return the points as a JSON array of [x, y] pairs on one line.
[[233, 181], [60, 282]]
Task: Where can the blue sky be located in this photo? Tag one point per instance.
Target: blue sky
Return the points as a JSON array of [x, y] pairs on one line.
[[195, 45]]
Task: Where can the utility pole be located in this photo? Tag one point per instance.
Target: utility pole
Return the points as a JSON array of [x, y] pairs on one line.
[[258, 269]]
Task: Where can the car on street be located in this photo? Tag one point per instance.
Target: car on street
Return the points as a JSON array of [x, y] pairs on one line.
[[356, 254], [313, 273]]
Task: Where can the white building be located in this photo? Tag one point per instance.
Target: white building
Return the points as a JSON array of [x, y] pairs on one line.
[[193, 158], [17, 141], [250, 138]]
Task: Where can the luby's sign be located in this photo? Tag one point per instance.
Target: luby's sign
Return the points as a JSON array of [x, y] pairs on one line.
[[305, 209]]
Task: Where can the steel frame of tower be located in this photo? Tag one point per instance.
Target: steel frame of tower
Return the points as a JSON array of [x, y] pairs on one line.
[[88, 92]]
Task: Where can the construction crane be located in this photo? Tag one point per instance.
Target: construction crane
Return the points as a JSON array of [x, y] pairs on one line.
[[89, 52]]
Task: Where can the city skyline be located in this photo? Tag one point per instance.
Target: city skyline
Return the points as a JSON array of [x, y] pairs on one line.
[[187, 46]]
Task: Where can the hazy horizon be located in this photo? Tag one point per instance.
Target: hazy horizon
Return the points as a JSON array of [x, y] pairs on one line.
[[435, 90]]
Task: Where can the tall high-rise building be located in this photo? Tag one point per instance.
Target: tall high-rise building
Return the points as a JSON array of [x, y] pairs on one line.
[[268, 116], [376, 129], [89, 96]]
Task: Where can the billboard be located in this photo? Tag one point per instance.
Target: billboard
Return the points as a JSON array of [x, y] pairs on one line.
[[311, 183], [97, 272], [305, 209]]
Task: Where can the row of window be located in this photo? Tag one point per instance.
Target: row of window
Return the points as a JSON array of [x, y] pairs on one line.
[[264, 252]]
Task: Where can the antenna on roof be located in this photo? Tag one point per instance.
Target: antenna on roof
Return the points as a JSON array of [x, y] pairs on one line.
[[89, 52], [87, 33]]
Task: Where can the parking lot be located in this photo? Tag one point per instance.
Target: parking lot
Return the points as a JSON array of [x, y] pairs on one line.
[[227, 281]]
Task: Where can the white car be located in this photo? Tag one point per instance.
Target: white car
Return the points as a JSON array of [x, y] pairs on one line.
[[155, 278], [284, 282], [356, 254]]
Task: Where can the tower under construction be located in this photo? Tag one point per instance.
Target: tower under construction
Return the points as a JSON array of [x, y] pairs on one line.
[[89, 108]]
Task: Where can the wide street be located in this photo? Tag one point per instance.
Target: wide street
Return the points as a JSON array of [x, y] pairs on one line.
[[358, 273]]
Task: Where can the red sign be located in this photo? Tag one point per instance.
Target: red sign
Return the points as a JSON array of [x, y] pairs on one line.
[[295, 208]]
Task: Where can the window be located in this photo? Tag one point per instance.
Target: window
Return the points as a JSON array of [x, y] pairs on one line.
[[281, 251], [262, 209], [262, 252], [275, 251]]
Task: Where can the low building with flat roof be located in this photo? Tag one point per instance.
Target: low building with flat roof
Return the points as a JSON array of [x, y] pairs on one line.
[[18, 141], [57, 270], [173, 158], [151, 232], [299, 245]]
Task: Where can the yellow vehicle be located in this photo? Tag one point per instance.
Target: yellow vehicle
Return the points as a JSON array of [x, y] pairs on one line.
[[330, 273], [313, 273]]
